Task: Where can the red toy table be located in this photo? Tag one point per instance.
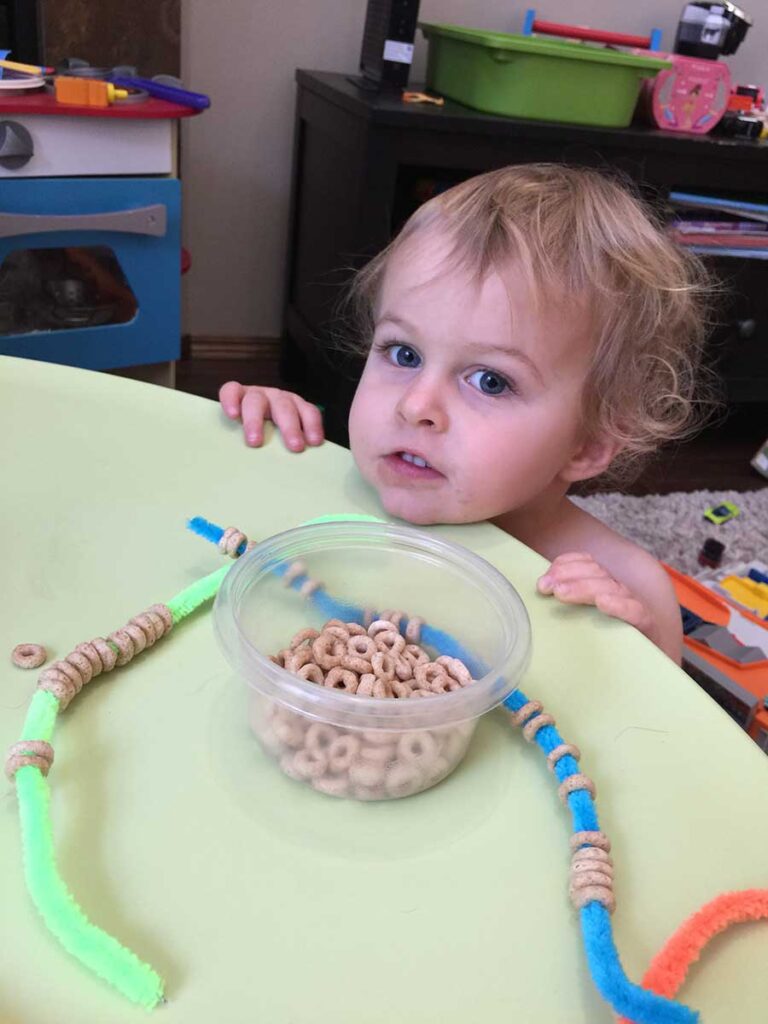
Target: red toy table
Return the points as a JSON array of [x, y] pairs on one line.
[[43, 103]]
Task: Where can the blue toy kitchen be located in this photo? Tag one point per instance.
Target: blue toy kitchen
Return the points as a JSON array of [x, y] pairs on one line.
[[90, 231]]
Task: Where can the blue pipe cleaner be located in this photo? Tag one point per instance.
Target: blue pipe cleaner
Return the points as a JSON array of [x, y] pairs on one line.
[[210, 531], [627, 999]]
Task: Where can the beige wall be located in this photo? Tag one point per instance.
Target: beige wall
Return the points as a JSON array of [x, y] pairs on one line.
[[236, 159]]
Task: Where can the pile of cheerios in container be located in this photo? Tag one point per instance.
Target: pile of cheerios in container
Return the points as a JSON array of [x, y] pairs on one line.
[[375, 662], [362, 704]]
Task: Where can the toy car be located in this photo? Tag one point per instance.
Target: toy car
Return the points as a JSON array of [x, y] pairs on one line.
[[720, 514]]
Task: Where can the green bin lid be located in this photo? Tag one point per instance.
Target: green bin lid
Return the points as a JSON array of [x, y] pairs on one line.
[[543, 47]]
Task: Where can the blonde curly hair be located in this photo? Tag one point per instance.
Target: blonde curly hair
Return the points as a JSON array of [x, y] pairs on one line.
[[578, 232]]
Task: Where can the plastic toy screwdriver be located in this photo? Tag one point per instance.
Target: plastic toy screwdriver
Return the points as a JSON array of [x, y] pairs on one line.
[[86, 92], [196, 100]]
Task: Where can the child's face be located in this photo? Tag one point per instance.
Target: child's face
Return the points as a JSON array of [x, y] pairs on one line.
[[476, 382]]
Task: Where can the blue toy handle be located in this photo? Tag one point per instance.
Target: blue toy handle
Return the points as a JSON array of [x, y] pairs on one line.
[[196, 100]]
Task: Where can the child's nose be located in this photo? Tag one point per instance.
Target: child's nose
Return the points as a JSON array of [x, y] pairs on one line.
[[422, 405]]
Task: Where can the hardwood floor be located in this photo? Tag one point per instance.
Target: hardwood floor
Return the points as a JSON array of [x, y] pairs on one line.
[[718, 459], [206, 366]]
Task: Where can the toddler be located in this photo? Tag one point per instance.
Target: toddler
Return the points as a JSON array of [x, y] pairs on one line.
[[527, 329]]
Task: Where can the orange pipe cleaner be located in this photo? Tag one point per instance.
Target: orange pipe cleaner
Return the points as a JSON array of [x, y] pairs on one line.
[[670, 966]]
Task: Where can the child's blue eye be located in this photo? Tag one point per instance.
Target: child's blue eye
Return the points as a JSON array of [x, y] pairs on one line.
[[404, 355], [489, 382]]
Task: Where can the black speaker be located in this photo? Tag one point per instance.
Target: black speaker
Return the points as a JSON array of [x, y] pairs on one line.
[[387, 51]]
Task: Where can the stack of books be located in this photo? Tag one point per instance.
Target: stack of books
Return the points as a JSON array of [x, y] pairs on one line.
[[731, 227]]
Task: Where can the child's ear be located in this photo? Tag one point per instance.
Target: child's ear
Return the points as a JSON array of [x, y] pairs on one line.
[[592, 458]]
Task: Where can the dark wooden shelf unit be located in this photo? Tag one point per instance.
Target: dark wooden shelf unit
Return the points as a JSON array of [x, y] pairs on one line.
[[363, 161]]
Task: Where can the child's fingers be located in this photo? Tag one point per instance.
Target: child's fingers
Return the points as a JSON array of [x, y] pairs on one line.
[[285, 415], [626, 608], [231, 396], [587, 591], [572, 556], [254, 409], [576, 578], [311, 421], [564, 572], [292, 416]]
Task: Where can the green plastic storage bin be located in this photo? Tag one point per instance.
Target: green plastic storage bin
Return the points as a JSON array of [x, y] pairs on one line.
[[526, 76]]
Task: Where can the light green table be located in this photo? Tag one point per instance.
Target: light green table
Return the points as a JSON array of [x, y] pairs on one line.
[[260, 900]]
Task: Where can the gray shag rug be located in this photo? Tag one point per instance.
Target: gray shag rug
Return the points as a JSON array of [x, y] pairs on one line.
[[672, 526]]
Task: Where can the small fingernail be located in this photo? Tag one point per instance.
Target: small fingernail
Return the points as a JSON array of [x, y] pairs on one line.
[[295, 443], [252, 438], [545, 581], [315, 438], [562, 588]]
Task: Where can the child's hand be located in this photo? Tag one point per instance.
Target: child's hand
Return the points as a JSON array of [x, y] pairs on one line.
[[576, 578], [298, 421]]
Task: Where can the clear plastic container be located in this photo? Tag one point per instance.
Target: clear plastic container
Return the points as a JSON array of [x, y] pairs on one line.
[[342, 744]]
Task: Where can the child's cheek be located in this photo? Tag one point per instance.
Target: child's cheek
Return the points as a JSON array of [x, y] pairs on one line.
[[360, 437], [365, 412], [354, 425]]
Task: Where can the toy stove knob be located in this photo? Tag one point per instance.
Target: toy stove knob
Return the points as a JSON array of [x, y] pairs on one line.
[[16, 145]]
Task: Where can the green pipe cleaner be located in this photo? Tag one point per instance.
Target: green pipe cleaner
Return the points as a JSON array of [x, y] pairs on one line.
[[93, 947]]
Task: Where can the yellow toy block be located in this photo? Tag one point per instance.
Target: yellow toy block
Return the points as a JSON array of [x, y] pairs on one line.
[[748, 592]]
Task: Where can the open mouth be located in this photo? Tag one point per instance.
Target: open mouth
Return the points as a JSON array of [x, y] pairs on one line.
[[415, 460], [410, 466]]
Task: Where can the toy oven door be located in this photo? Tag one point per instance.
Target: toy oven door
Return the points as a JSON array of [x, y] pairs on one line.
[[90, 270]]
